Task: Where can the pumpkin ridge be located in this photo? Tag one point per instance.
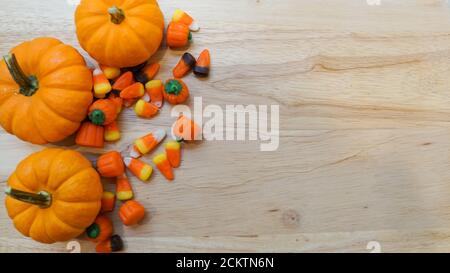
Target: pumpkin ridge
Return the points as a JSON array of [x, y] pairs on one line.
[[63, 64], [23, 211], [64, 222], [47, 85], [74, 176], [12, 104], [35, 214], [35, 222], [38, 130], [17, 120], [111, 41], [45, 226], [141, 21], [138, 37], [42, 183], [51, 113], [70, 203], [54, 190], [16, 178], [56, 153], [56, 111], [44, 53], [89, 42]]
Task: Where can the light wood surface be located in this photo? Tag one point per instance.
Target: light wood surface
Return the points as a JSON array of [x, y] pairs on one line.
[[364, 95]]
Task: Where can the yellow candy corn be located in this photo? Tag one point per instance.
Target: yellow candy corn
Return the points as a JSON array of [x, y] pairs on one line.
[[112, 132], [101, 84], [110, 72], [163, 165], [140, 169], [145, 109], [124, 190], [173, 152]]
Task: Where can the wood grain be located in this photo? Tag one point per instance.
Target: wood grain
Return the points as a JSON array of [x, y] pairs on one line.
[[364, 97]]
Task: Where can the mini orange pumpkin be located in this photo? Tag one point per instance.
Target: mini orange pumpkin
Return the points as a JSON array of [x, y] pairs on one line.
[[119, 33], [103, 112], [178, 35], [53, 195], [110, 164], [175, 91], [45, 91]]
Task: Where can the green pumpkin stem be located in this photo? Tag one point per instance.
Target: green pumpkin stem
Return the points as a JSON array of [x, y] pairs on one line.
[[173, 87], [42, 199], [28, 84], [97, 117], [117, 15], [93, 231]]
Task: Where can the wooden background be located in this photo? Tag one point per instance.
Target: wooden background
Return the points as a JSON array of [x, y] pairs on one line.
[[364, 95]]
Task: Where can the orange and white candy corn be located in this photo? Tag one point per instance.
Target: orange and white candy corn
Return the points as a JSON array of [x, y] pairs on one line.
[[140, 169], [124, 191], [101, 84], [173, 152], [154, 91], [112, 132], [163, 165], [145, 109], [183, 17], [132, 151], [110, 72], [148, 142]]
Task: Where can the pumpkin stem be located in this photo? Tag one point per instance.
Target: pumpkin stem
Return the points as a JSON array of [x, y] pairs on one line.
[[97, 117], [173, 87], [28, 84], [93, 231], [42, 199], [117, 15]]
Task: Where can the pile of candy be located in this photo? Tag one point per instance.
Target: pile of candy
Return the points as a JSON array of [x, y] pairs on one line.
[[117, 88]]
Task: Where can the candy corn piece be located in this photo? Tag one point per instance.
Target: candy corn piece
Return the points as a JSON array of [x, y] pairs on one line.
[[125, 80], [186, 63], [163, 165], [101, 84], [201, 69], [145, 109], [140, 169], [108, 201], [147, 143], [148, 73], [133, 91], [123, 188], [117, 100], [181, 16], [155, 92], [110, 72], [186, 129], [173, 152], [112, 132], [114, 244]]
